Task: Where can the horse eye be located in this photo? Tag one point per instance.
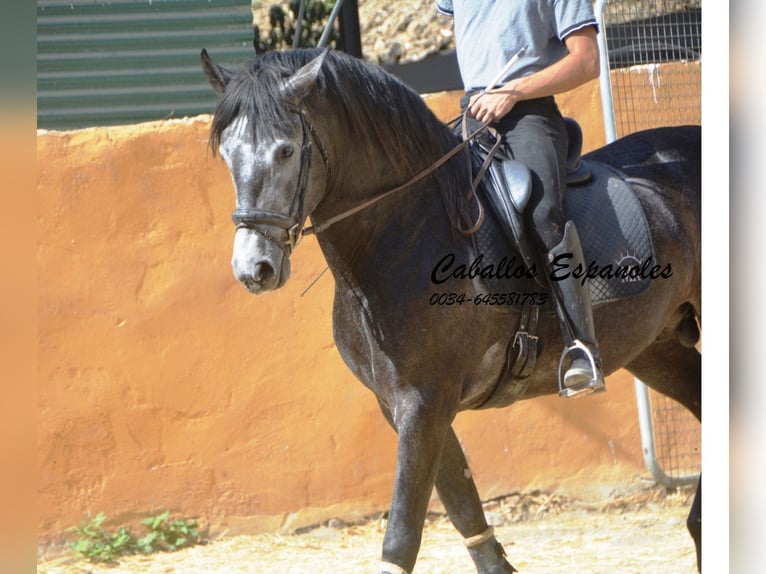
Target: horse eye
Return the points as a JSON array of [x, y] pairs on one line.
[[286, 151]]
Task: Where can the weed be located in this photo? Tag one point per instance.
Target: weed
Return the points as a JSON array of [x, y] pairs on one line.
[[164, 535]]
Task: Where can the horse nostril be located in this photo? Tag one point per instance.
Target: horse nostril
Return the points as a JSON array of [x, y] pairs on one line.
[[262, 272], [256, 277]]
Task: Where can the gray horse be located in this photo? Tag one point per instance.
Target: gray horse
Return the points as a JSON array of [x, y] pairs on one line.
[[320, 135]]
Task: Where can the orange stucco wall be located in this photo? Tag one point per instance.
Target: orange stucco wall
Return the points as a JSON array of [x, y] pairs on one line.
[[164, 384]]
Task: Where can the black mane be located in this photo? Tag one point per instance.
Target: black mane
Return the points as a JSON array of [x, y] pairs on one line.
[[385, 115]]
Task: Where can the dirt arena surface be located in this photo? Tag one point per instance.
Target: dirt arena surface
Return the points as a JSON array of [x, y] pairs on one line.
[[542, 533]]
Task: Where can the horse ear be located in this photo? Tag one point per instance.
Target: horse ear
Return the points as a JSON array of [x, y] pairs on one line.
[[218, 76], [300, 83]]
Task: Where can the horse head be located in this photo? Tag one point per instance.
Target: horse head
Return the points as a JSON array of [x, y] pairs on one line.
[[261, 131]]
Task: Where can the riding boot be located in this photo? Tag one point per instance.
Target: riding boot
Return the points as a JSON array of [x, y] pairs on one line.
[[583, 376]]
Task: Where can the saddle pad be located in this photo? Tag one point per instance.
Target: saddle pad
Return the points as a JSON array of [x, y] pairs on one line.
[[614, 233]]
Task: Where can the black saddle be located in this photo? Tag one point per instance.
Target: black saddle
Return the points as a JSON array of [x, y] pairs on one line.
[[577, 170], [610, 221], [508, 183]]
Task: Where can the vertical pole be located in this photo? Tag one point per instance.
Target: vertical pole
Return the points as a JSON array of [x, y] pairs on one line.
[[351, 38], [647, 429], [299, 24], [604, 78]]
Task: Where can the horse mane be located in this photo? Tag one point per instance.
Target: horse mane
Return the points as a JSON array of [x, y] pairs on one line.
[[387, 116]]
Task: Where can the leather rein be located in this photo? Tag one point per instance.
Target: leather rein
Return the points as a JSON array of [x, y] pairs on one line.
[[292, 223]]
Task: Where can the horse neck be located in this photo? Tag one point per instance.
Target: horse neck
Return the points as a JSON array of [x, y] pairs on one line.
[[361, 171], [387, 153], [391, 232], [393, 225]]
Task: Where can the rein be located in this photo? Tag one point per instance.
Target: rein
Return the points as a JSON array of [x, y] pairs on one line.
[[318, 228], [467, 138]]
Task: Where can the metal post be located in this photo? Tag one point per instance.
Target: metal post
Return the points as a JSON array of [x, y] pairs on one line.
[[648, 449], [299, 24], [605, 78], [647, 428], [351, 37]]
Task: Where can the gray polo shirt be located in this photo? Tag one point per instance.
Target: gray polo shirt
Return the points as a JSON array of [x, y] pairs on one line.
[[489, 32]]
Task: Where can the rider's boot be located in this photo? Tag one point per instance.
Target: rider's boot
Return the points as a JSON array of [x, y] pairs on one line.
[[583, 376]]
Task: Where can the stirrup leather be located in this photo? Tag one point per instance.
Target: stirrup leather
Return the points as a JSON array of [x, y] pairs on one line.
[[594, 384]]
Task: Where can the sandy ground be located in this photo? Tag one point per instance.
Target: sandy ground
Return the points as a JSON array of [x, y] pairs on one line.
[[542, 533]]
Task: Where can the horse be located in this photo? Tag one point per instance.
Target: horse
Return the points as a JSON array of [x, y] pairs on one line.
[[320, 137]]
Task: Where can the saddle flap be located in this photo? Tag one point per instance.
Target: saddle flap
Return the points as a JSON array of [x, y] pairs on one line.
[[507, 186], [508, 178]]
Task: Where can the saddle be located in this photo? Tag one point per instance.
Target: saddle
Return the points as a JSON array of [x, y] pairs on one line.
[[507, 185], [610, 221]]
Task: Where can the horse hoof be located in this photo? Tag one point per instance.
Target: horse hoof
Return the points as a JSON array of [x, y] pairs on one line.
[[501, 568]]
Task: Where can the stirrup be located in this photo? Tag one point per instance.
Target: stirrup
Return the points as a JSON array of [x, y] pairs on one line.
[[596, 382]]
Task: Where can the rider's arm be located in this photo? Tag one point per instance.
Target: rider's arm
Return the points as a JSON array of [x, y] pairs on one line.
[[579, 66]]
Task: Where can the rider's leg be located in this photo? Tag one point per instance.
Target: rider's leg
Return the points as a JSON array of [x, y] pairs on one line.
[[537, 137], [574, 309]]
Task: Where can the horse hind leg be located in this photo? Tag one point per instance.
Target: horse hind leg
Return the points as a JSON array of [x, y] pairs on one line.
[[694, 523], [457, 492], [673, 367]]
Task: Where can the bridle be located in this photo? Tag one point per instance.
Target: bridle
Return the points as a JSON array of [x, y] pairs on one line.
[[292, 224]]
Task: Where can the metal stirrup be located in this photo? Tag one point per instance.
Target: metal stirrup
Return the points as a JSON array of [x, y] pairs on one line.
[[576, 344]]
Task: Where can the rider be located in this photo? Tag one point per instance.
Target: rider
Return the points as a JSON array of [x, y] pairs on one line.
[[556, 40]]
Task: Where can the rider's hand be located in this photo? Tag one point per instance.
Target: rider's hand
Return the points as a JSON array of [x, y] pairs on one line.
[[494, 104]]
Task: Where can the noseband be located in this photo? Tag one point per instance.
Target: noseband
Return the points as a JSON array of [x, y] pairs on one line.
[[292, 223]]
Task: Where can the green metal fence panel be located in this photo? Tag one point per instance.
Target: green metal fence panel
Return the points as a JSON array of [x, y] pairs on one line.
[[102, 62]]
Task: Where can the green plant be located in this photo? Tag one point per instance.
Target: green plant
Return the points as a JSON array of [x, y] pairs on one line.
[[282, 26], [165, 535], [99, 545]]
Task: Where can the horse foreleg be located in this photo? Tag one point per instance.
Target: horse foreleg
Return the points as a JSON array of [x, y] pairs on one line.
[[457, 492], [421, 429]]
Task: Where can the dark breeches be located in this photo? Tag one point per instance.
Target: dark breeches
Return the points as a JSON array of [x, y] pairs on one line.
[[537, 137]]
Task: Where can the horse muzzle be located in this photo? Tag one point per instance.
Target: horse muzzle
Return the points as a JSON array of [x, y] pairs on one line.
[[258, 263]]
